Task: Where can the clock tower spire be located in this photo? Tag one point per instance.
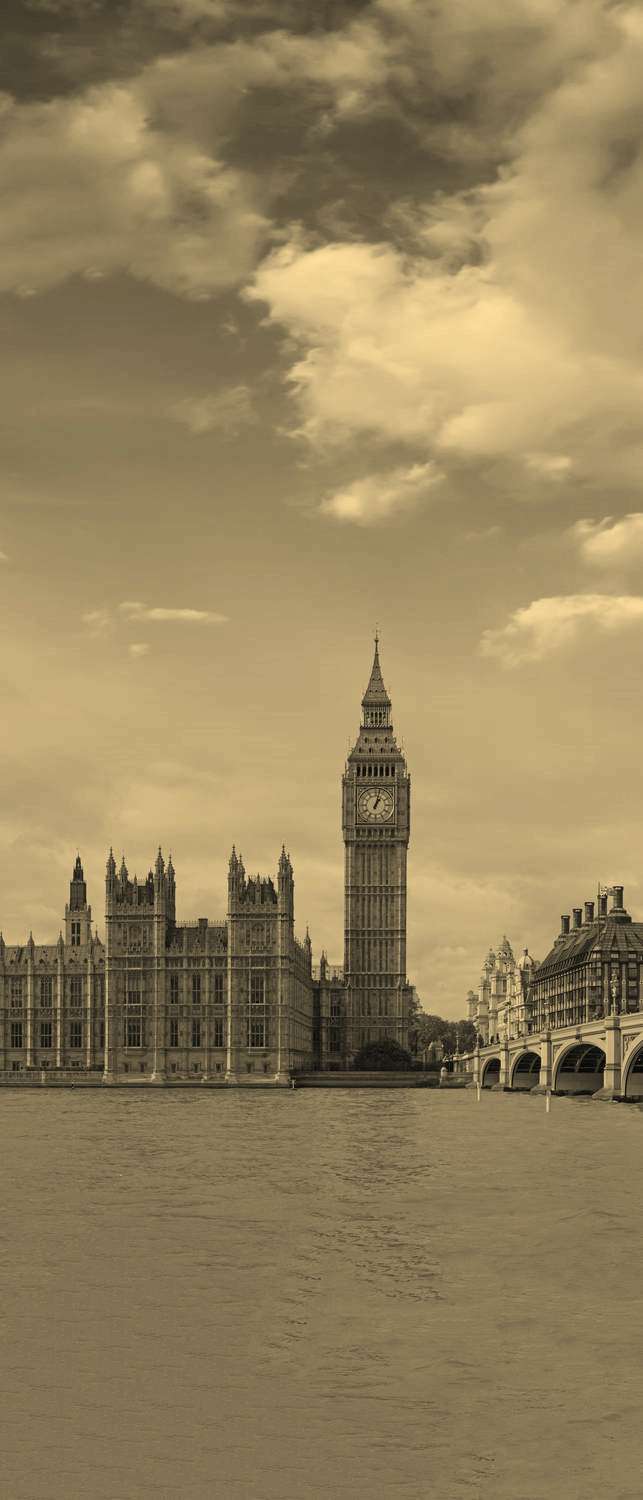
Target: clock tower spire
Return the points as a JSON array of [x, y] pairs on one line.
[[376, 824], [376, 704]]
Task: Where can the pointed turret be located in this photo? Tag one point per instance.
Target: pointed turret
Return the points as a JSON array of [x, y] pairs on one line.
[[78, 913], [160, 864], [122, 874], [376, 704], [77, 888], [376, 693], [111, 865], [285, 882], [236, 877]]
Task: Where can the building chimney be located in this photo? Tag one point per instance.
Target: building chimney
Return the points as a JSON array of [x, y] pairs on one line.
[[578, 916], [589, 911], [602, 904], [617, 898], [564, 926]]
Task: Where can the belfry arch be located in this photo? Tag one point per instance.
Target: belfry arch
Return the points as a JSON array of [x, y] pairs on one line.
[[526, 1071], [579, 1069]]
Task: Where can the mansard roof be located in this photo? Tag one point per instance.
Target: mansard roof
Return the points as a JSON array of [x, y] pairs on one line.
[[46, 953], [611, 938], [16, 953]]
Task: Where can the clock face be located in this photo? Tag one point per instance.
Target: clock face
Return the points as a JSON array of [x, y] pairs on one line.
[[375, 805]]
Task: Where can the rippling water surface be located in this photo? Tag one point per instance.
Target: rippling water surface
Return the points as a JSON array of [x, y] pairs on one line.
[[327, 1293]]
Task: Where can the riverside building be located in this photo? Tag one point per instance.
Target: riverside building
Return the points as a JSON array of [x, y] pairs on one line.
[[231, 1001], [578, 1027]]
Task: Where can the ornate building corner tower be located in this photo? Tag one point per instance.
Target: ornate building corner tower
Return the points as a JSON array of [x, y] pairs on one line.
[[139, 918], [78, 915], [270, 989], [376, 824]]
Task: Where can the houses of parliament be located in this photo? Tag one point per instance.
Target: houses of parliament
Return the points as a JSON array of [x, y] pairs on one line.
[[238, 1002]]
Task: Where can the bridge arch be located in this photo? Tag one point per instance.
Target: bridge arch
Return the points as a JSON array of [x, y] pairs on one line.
[[579, 1069], [525, 1073], [490, 1072], [633, 1072]]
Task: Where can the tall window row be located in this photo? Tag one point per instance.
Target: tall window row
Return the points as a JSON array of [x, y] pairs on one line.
[[196, 987], [45, 990], [257, 1028]]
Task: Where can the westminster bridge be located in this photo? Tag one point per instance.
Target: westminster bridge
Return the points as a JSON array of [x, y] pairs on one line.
[[603, 1057]]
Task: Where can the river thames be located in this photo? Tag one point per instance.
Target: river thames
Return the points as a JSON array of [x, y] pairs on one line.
[[236, 1296]]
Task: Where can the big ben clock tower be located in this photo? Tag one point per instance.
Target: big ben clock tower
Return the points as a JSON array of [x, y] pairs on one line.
[[376, 822]]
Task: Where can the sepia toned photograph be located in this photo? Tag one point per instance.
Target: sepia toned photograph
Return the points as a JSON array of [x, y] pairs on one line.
[[321, 843]]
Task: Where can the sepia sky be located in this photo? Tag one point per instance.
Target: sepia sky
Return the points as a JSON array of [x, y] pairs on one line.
[[316, 316]]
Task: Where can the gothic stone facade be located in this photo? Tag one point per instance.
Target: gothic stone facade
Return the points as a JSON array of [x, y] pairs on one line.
[[162, 1000], [376, 821], [233, 1001]]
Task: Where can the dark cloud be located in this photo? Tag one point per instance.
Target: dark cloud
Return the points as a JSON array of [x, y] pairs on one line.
[[53, 47]]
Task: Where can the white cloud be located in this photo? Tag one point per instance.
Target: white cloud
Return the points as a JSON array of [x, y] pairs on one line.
[[133, 609], [101, 622], [402, 348], [552, 466], [4, 557], [92, 187], [379, 497], [98, 621], [138, 648], [608, 542], [224, 411], [543, 627], [511, 331]]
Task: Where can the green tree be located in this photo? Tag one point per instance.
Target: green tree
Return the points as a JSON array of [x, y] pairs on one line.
[[430, 1029], [467, 1036], [383, 1056], [452, 1035]]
